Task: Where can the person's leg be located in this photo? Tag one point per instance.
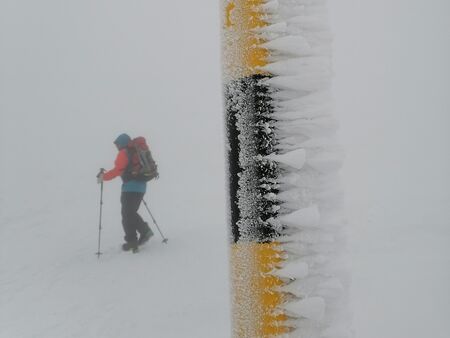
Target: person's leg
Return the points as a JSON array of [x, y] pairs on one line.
[[141, 226], [129, 211], [136, 221]]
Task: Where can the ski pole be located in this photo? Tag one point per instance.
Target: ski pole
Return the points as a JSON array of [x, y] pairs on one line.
[[154, 221], [98, 253]]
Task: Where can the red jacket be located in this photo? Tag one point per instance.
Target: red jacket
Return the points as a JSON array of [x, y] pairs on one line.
[[120, 164]]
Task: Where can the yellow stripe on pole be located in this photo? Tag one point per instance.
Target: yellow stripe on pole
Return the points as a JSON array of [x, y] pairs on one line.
[[244, 54], [256, 298]]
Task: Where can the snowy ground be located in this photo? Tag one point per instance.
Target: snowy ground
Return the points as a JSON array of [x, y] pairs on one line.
[[54, 286], [73, 76]]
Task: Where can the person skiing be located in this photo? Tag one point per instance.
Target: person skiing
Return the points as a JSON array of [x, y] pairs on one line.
[[132, 194]]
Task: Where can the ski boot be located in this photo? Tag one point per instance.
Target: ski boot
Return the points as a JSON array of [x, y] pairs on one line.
[[145, 237], [133, 246]]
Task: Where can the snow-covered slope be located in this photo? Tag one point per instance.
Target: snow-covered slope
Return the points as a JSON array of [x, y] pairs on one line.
[[53, 286], [73, 77]]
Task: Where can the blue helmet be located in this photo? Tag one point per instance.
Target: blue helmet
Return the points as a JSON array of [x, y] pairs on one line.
[[122, 140]]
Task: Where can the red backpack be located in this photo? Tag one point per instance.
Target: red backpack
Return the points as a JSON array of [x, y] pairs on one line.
[[141, 166]]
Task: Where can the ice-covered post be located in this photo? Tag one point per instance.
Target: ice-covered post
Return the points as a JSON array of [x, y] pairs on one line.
[[285, 226]]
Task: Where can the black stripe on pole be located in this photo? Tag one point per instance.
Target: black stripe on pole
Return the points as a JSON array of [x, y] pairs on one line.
[[252, 178]]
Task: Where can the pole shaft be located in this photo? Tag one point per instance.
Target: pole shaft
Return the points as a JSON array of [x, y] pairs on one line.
[[153, 219], [100, 220]]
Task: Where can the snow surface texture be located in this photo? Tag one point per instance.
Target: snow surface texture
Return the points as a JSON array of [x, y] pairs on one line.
[[310, 219]]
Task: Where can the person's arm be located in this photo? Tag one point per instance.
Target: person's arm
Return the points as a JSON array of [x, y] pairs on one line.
[[120, 164]]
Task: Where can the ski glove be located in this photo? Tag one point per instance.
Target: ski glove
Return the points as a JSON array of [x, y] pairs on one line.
[[100, 176]]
